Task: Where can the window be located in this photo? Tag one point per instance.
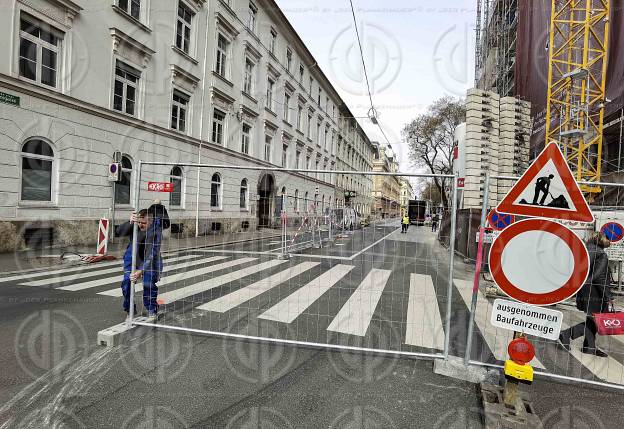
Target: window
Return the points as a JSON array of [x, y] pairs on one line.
[[37, 171], [317, 167], [297, 200], [131, 7], [268, 141], [252, 18], [308, 162], [287, 107], [176, 177], [309, 133], [183, 27], [179, 109], [311, 83], [300, 117], [301, 72], [327, 104], [318, 97], [298, 159], [289, 60], [305, 201], [270, 102], [273, 41], [284, 156], [318, 132], [222, 52], [126, 88], [246, 139], [215, 191], [325, 138], [122, 188], [218, 125], [243, 194], [39, 51], [248, 84]]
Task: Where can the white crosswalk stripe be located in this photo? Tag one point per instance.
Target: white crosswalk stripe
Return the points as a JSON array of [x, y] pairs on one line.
[[424, 323], [290, 308], [82, 275], [84, 268], [356, 314], [119, 278], [240, 296], [497, 339], [185, 275], [203, 286]]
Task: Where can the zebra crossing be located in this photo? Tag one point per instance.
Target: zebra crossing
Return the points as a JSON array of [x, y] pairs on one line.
[[295, 286]]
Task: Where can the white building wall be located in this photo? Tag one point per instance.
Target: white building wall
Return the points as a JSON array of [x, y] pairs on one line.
[[77, 118]]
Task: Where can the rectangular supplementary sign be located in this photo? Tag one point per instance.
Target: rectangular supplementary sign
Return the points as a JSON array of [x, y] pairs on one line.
[[160, 186], [9, 99], [528, 319]]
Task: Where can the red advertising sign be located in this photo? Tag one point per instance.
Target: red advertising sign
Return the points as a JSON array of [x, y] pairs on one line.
[[160, 186]]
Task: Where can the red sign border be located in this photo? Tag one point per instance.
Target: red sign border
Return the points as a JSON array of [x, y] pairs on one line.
[[576, 245], [550, 152]]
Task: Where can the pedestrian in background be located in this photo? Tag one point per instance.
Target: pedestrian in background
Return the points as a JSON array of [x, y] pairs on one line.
[[434, 222], [593, 297], [404, 224]]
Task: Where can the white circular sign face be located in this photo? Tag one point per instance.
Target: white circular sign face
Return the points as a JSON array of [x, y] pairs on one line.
[[539, 262], [550, 260]]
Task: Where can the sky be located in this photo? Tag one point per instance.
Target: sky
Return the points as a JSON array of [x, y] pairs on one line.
[[415, 51]]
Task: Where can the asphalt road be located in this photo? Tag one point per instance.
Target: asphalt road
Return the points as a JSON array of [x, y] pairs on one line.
[[52, 370]]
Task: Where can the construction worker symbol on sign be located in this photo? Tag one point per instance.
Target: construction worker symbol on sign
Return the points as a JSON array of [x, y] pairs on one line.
[[542, 191], [547, 189]]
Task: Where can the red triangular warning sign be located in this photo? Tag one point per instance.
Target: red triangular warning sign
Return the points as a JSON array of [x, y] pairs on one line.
[[547, 189]]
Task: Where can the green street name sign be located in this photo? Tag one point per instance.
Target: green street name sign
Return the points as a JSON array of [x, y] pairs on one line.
[[9, 99]]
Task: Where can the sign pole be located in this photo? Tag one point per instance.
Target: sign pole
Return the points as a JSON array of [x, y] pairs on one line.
[[449, 291], [135, 235], [475, 287]]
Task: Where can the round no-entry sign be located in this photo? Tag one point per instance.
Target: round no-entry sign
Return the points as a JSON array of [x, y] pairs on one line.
[[539, 262]]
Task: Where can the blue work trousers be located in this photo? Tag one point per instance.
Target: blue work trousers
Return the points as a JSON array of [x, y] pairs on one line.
[[150, 293]]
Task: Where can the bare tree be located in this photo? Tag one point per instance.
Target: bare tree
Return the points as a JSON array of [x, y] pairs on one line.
[[430, 138]]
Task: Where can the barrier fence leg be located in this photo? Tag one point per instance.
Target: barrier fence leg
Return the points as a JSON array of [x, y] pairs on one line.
[[449, 292], [475, 287], [135, 233]]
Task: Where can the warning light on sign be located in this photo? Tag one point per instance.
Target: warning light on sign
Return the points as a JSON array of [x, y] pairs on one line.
[[521, 351]]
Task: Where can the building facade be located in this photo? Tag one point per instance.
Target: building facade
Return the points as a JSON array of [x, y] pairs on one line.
[[407, 193], [221, 83], [386, 189]]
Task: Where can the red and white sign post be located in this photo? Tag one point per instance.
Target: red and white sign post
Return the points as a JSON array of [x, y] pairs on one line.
[[102, 244]]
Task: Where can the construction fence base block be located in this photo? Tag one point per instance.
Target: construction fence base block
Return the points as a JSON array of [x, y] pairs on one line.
[[118, 334], [498, 415], [454, 367]]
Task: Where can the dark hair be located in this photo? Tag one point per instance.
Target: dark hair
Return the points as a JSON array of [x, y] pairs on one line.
[[142, 213], [159, 211]]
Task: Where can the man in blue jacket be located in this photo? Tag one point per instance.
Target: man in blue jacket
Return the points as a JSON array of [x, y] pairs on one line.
[[148, 264]]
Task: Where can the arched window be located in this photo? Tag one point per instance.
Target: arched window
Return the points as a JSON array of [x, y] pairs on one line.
[[37, 171], [297, 200], [243, 194], [122, 188], [215, 191], [176, 178], [305, 202]]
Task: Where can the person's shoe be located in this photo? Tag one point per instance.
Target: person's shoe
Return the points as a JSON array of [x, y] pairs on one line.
[[151, 318], [594, 351], [564, 341]]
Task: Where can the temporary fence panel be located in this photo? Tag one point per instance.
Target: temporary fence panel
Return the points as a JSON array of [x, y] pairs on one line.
[[303, 257], [488, 345]]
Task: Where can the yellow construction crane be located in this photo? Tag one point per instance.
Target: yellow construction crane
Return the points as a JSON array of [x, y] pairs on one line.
[[579, 41]]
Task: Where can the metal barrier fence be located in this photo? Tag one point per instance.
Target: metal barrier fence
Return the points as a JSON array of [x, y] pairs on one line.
[[486, 344], [308, 257]]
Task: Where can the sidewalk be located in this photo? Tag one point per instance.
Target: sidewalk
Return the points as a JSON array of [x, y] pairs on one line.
[[51, 256]]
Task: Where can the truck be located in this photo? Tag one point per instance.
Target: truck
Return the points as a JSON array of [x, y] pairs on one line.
[[416, 212]]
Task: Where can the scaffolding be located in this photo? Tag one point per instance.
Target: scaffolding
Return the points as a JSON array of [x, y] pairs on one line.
[[496, 45], [576, 84]]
